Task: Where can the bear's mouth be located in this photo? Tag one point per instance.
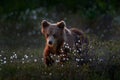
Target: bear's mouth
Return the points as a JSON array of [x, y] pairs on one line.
[[50, 43]]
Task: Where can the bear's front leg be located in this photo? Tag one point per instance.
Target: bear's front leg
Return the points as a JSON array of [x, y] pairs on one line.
[[47, 59]]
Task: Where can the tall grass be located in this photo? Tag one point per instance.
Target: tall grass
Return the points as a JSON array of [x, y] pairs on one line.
[[27, 64]]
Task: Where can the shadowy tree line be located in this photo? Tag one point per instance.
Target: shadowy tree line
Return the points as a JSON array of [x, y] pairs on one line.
[[7, 6]]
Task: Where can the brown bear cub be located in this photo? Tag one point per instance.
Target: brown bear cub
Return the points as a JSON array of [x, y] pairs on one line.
[[60, 40]]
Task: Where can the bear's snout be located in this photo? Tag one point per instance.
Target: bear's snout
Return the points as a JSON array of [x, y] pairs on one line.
[[50, 42]]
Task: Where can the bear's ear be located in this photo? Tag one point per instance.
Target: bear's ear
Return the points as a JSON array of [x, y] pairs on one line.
[[61, 24], [45, 24]]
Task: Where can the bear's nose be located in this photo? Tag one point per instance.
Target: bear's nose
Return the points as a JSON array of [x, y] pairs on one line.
[[50, 42]]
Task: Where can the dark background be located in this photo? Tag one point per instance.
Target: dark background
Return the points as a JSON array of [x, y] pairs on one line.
[[21, 18], [18, 17]]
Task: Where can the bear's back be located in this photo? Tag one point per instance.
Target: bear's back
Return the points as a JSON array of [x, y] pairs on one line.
[[75, 38]]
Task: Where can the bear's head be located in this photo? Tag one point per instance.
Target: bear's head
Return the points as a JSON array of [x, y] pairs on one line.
[[54, 32]]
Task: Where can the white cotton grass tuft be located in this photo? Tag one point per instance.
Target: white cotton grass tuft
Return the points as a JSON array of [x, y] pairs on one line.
[[50, 74], [14, 56], [4, 62], [26, 56], [35, 60], [62, 65], [78, 65], [2, 51], [31, 55], [57, 60], [90, 59], [81, 59], [78, 40], [77, 59], [4, 58], [23, 62], [11, 57]]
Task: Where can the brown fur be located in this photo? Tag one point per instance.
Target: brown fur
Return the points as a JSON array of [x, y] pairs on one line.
[[58, 37]]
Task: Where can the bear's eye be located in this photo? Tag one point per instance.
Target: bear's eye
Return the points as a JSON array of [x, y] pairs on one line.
[[54, 35], [47, 35]]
